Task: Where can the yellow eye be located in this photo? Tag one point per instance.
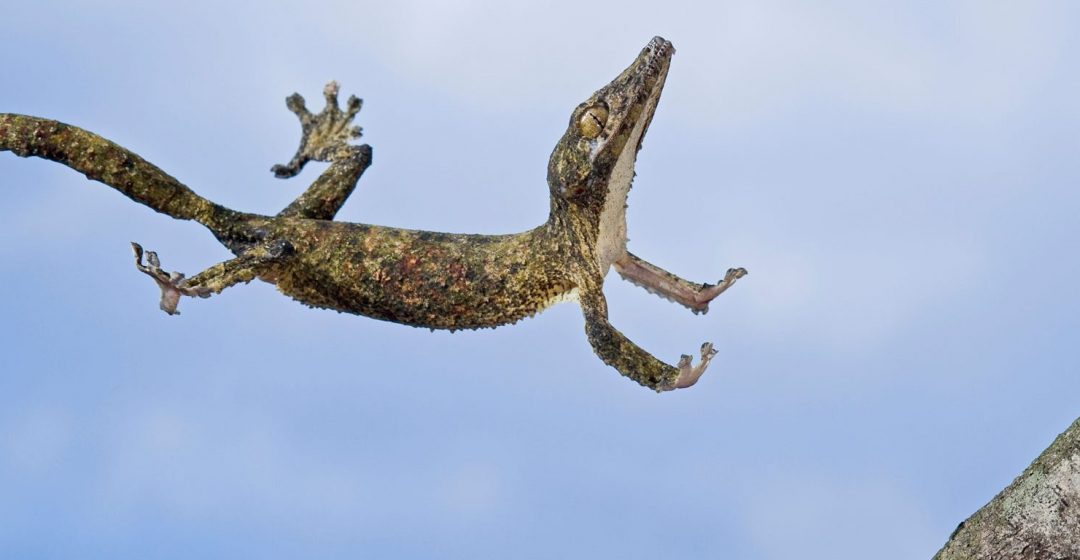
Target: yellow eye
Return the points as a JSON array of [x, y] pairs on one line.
[[592, 121]]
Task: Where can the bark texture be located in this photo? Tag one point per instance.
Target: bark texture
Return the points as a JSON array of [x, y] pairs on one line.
[[1035, 517]]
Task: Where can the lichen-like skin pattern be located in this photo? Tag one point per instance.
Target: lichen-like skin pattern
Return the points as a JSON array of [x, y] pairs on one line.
[[421, 278]]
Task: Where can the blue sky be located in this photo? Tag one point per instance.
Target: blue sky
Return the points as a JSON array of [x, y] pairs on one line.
[[900, 180]]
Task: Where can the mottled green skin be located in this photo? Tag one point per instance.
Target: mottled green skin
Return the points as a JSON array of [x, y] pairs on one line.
[[420, 278], [102, 160]]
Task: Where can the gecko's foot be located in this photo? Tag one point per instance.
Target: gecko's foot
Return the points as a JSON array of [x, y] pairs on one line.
[[171, 283], [324, 135], [709, 293], [688, 374], [734, 274]]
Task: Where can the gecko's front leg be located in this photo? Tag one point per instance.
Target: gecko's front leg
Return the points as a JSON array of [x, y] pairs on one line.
[[656, 280], [618, 351], [245, 268]]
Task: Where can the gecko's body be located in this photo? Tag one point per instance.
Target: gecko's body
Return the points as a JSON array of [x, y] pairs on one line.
[[421, 278]]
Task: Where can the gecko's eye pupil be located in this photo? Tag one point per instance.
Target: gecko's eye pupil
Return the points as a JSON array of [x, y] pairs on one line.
[[592, 121]]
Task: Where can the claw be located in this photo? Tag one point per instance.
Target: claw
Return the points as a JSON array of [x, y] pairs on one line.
[[709, 293], [325, 136], [295, 103], [688, 375], [352, 107], [330, 92], [171, 283]]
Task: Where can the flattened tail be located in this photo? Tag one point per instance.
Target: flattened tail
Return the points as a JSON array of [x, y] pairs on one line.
[[106, 162]]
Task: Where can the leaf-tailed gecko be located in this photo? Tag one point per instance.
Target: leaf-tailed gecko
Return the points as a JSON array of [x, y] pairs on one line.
[[422, 278]]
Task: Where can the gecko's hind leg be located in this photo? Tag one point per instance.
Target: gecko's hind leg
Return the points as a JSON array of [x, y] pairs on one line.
[[656, 280], [244, 268], [323, 199], [325, 137]]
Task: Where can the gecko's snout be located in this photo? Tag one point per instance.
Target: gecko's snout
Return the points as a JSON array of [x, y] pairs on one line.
[[660, 45]]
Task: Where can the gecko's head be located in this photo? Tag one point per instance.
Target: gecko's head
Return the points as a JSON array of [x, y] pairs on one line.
[[596, 155]]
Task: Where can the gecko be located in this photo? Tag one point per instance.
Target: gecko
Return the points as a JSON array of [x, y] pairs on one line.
[[421, 278]]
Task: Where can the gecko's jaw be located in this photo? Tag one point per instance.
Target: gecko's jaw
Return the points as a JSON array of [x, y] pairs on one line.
[[644, 93]]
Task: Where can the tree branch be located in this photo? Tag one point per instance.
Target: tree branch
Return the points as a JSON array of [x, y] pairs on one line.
[[1035, 517]]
